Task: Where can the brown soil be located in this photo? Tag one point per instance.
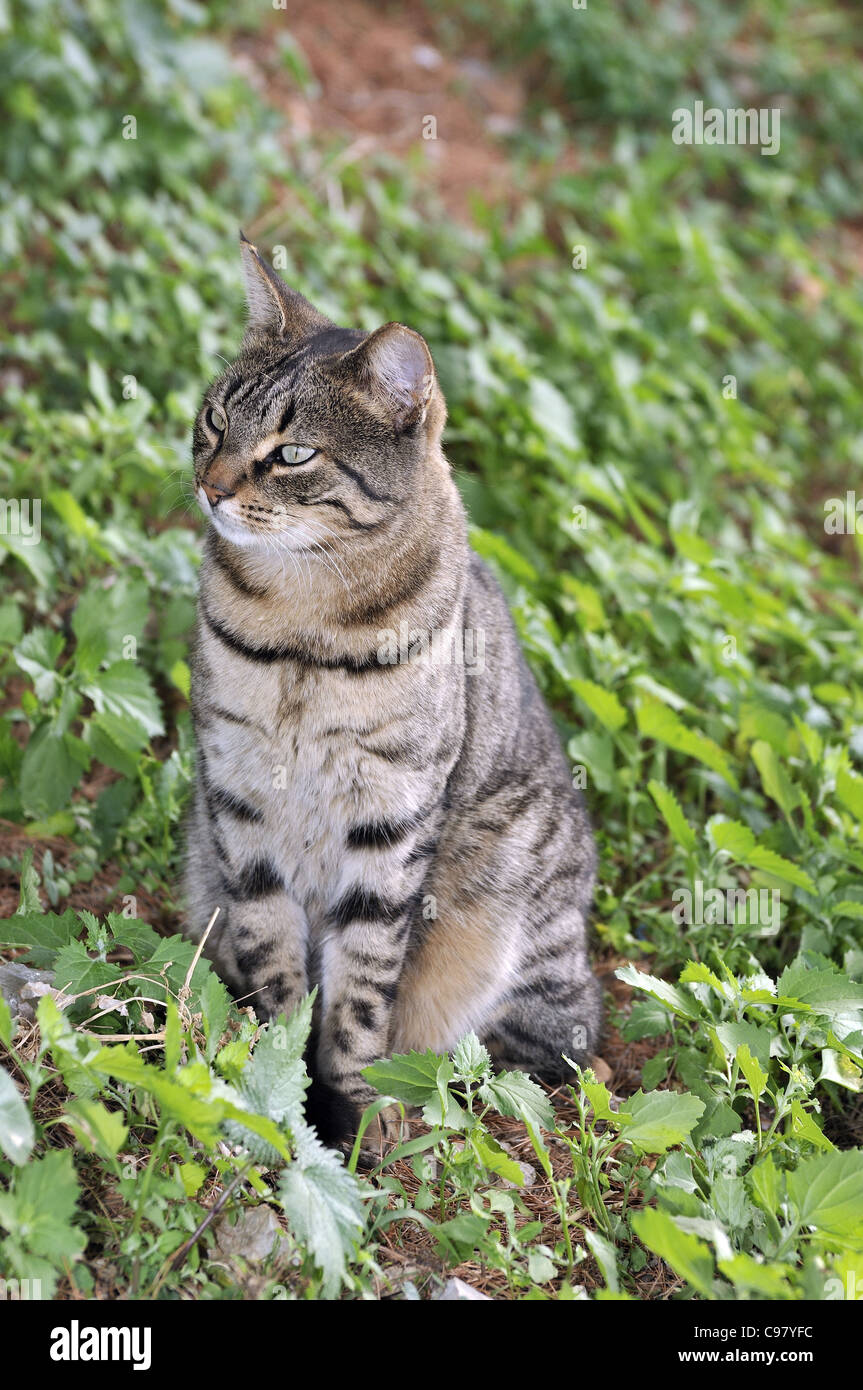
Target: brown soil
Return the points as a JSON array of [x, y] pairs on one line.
[[382, 84]]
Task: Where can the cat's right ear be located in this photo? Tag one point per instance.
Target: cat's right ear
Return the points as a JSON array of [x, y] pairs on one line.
[[274, 308]]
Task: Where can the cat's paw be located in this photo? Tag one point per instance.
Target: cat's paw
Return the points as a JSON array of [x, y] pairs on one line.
[[333, 1114], [384, 1130]]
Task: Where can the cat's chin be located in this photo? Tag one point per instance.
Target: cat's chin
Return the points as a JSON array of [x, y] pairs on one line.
[[237, 533], [262, 542]]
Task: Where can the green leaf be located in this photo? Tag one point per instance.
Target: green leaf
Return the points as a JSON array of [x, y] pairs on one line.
[[124, 689], [50, 770], [275, 1080], [680, 1004], [802, 1124], [669, 808], [105, 617], [540, 1265], [17, 1135], [658, 722], [849, 789], [827, 1192], [321, 1200], [513, 1093], [76, 971], [756, 1078], [215, 1009], [97, 1129], [740, 844], [602, 703], [471, 1059], [766, 1184], [46, 933], [774, 779], [605, 1255], [496, 1159], [37, 1213], [826, 992], [654, 1121], [37, 654], [752, 1276], [600, 1099], [410, 1076], [459, 1237], [688, 1256]]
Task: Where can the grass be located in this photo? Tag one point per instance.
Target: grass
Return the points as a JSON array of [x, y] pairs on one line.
[[648, 446]]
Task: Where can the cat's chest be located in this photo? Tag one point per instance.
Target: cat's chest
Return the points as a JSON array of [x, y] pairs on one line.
[[306, 749]]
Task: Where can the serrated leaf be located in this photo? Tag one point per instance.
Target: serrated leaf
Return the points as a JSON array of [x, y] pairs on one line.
[[470, 1058], [45, 933], [602, 703], [50, 770], [658, 722], [827, 1192], [76, 971], [740, 844], [37, 654], [669, 808], [826, 992], [124, 690], [654, 1121], [684, 1006], [274, 1081], [513, 1093], [37, 1214], [321, 1200], [409, 1076], [774, 779]]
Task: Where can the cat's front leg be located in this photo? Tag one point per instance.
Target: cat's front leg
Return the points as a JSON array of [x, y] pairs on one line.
[[362, 962], [268, 933]]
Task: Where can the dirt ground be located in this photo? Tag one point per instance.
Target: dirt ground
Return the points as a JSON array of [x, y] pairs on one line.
[[381, 82]]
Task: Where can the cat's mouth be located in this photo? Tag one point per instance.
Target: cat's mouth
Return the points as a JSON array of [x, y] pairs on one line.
[[251, 534]]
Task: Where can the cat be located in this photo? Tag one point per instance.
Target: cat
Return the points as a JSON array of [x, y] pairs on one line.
[[382, 806]]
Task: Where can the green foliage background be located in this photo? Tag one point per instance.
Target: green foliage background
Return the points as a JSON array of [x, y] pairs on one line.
[[661, 541]]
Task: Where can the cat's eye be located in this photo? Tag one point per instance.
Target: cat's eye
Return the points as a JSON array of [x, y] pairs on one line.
[[216, 420], [294, 453]]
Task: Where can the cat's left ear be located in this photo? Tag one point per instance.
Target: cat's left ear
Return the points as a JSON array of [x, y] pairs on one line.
[[394, 365], [273, 306]]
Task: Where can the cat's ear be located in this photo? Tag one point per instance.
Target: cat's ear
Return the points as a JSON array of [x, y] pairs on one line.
[[394, 365], [273, 306]]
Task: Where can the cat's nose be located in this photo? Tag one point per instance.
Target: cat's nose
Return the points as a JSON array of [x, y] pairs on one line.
[[214, 493]]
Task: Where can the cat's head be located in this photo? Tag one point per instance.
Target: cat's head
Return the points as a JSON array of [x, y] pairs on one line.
[[313, 430]]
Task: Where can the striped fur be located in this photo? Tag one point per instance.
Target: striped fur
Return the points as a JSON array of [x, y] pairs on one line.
[[405, 836]]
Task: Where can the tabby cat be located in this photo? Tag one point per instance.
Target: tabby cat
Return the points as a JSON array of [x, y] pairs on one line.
[[382, 806]]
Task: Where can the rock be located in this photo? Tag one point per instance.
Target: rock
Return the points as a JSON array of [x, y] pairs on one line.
[[21, 987], [455, 1290], [253, 1235]]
